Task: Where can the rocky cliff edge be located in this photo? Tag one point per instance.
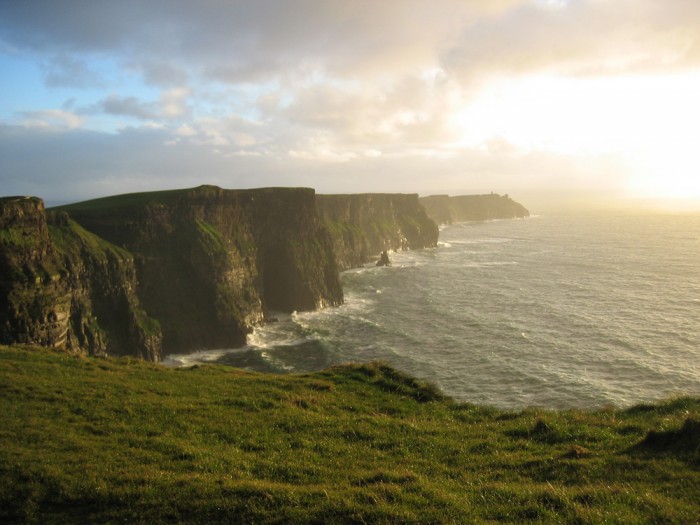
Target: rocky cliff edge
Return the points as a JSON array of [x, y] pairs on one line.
[[148, 274]]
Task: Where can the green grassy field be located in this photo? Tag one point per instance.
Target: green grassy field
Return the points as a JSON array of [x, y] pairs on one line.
[[88, 440]]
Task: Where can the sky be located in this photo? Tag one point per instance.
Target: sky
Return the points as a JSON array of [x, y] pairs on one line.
[[554, 102]]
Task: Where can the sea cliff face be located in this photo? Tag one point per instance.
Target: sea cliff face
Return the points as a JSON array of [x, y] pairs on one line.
[[61, 286], [364, 225], [212, 263], [149, 274], [444, 209]]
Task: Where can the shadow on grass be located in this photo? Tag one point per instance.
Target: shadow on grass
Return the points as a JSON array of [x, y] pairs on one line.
[[683, 443]]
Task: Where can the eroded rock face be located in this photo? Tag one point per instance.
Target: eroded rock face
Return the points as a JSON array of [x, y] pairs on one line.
[[212, 263], [35, 298], [444, 209], [164, 272], [61, 286], [364, 225]]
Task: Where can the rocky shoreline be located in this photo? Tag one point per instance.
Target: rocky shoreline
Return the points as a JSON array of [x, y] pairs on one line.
[[149, 274]]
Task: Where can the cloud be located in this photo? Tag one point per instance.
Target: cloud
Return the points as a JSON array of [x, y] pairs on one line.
[[581, 37], [68, 71], [412, 111], [172, 104], [50, 120], [244, 41], [345, 66], [253, 41], [226, 135], [161, 72], [332, 93], [77, 164], [129, 107]]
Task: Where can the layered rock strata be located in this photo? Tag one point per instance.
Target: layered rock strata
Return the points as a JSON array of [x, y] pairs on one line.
[[61, 286]]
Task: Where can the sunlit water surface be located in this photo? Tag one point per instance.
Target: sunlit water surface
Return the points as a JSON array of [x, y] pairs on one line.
[[550, 311]]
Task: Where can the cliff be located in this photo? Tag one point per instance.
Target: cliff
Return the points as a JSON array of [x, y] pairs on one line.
[[211, 263], [61, 286], [163, 272], [444, 209], [364, 225]]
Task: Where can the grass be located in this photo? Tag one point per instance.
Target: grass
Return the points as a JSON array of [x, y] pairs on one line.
[[210, 238], [121, 440], [71, 239], [125, 200]]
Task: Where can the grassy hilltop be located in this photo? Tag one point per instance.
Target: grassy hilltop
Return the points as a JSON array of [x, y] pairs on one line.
[[120, 440]]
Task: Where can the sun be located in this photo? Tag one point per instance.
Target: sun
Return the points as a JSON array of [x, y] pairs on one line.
[[668, 169], [651, 123], [663, 157]]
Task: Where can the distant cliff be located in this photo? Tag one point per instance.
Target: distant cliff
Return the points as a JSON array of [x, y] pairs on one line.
[[444, 209], [363, 225], [61, 286]]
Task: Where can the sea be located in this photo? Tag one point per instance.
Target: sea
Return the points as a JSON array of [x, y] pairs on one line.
[[554, 311]]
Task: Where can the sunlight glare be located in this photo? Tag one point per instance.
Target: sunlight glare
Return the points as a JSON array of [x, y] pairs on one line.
[[651, 123]]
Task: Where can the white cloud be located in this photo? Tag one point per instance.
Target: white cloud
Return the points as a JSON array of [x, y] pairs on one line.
[[51, 120], [185, 130], [174, 102], [584, 37]]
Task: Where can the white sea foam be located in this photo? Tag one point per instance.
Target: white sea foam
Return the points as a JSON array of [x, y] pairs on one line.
[[202, 356]]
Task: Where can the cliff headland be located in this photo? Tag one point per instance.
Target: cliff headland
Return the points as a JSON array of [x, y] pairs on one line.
[[148, 274], [444, 209]]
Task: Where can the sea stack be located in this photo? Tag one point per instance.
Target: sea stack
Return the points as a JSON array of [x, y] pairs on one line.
[[384, 259]]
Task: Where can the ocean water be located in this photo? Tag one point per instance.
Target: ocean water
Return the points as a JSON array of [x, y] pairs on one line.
[[555, 311]]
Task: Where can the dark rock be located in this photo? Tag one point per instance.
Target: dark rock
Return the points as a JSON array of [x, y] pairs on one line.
[[384, 259], [62, 287]]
